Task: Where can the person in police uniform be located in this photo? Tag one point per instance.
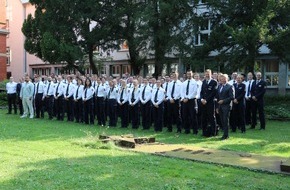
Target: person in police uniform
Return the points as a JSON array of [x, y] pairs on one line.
[[48, 97], [123, 103], [11, 87], [78, 104], [134, 99], [188, 97], [207, 96], [38, 97], [145, 97], [100, 93], [69, 99], [173, 95], [87, 98], [157, 99], [58, 98], [112, 95]]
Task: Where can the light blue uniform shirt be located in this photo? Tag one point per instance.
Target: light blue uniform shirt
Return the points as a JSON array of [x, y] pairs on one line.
[[27, 90]]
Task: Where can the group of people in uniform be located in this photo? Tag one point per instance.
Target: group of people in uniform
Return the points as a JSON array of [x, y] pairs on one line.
[[188, 102]]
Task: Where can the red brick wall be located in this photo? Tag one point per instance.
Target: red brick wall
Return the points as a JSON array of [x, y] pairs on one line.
[[3, 67]]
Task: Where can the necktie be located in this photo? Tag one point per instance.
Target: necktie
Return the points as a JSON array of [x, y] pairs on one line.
[[121, 98], [97, 90], [166, 87], [156, 95], [48, 88], [67, 90], [143, 93], [172, 92], [86, 93], [249, 88], [187, 87], [77, 93], [221, 89], [37, 87], [57, 88], [133, 95]]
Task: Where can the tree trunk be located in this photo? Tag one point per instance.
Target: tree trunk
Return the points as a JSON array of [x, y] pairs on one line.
[[91, 60]]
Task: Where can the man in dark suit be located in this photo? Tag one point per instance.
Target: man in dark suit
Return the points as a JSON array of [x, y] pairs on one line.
[[258, 91], [207, 95], [224, 97], [239, 105]]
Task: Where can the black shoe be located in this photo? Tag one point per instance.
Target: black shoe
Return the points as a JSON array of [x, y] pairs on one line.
[[178, 131], [262, 128], [252, 127], [224, 138]]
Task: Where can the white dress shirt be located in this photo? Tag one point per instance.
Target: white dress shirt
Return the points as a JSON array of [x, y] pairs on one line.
[[160, 95], [78, 93], [69, 90], [147, 94], [11, 87], [112, 93], [124, 99], [88, 93], [177, 90], [192, 89], [59, 89], [100, 90], [136, 92]]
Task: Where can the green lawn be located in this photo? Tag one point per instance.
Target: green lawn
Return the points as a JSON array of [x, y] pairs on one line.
[[43, 154]]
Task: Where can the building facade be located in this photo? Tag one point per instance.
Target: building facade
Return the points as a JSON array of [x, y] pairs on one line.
[[18, 61], [3, 48]]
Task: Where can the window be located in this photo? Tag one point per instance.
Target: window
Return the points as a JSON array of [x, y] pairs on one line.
[[271, 73], [8, 56], [203, 33], [288, 85]]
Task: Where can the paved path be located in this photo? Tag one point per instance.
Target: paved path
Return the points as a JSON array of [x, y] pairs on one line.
[[230, 158]]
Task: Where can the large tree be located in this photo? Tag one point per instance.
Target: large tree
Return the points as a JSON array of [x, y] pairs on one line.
[[165, 21], [238, 31], [62, 31]]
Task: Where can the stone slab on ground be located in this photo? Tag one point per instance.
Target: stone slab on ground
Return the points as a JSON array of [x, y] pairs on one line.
[[128, 141], [250, 161]]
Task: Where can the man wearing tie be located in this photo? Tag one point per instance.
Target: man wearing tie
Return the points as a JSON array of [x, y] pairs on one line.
[[48, 97], [145, 97], [207, 95], [78, 104], [248, 97], [112, 95], [157, 98], [58, 98], [258, 92], [188, 97], [239, 105], [173, 95], [68, 96], [134, 98], [39, 97], [224, 97], [123, 103]]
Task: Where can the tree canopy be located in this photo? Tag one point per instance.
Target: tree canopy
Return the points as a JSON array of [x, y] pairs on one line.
[[155, 29]]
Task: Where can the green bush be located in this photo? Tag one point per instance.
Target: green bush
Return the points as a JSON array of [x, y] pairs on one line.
[[3, 84], [3, 98], [277, 112]]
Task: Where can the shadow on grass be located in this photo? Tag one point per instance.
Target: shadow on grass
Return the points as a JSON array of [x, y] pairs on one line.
[[115, 170], [12, 128]]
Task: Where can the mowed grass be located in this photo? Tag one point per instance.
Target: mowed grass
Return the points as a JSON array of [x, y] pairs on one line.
[[43, 154]]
